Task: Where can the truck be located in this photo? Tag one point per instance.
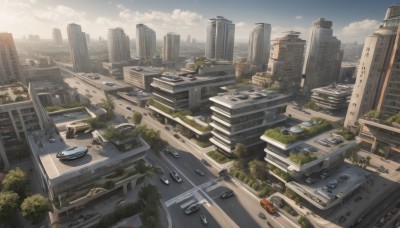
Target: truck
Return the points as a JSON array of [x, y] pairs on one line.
[[268, 206]]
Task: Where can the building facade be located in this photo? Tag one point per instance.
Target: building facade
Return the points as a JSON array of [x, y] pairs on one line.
[[334, 97], [57, 37], [242, 117], [10, 67], [323, 56], [286, 62], [118, 46], [141, 77], [171, 47], [259, 45], [78, 48], [145, 42], [220, 38]]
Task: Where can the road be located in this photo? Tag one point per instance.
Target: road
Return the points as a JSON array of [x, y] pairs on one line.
[[241, 210]]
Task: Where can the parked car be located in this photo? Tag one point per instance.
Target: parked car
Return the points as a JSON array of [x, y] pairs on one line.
[[51, 140], [177, 136], [324, 175], [174, 154], [222, 172], [227, 194], [261, 215], [192, 208], [175, 176], [205, 162], [198, 171], [203, 218], [164, 179], [129, 108], [310, 180], [277, 201]]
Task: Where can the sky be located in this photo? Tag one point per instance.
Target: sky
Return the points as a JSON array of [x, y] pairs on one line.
[[353, 20]]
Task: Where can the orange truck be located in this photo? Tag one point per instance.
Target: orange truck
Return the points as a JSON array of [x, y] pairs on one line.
[[267, 206]]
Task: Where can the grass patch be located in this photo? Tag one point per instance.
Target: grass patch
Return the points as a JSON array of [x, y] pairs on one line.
[[203, 144], [218, 157]]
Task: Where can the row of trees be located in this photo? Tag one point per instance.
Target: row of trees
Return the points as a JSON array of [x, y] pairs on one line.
[[13, 198]]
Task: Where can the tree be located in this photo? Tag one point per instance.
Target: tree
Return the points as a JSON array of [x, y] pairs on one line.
[[137, 117], [8, 208], [109, 105], [258, 169], [35, 208], [15, 181], [152, 137], [304, 222], [147, 171], [367, 160], [240, 151]]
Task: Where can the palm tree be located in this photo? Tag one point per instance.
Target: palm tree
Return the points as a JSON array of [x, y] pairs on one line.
[[108, 104]]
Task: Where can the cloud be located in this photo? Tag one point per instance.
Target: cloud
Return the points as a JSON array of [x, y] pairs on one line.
[[358, 30], [299, 17]]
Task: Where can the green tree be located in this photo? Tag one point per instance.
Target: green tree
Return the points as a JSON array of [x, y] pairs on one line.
[[304, 222], [147, 171], [109, 105], [35, 208], [152, 137], [240, 151], [367, 160], [258, 169], [15, 181], [8, 208], [137, 117]]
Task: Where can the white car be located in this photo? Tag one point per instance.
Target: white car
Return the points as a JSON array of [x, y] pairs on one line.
[[203, 218]]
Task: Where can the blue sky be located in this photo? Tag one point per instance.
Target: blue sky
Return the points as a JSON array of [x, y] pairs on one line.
[[352, 20]]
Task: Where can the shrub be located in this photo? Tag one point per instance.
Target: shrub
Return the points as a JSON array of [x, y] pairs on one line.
[[301, 159]]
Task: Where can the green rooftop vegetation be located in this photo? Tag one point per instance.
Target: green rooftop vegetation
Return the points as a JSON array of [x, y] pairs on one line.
[[278, 134], [346, 133], [312, 105], [160, 106], [302, 159], [394, 119], [66, 106], [113, 134]]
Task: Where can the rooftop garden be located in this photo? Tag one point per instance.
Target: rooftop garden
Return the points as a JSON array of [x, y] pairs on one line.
[[345, 133], [302, 159], [113, 134], [66, 106], [280, 134], [160, 106], [312, 105], [393, 120]]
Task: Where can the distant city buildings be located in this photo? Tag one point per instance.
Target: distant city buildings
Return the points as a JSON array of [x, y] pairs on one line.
[[78, 48], [220, 38], [145, 41], [87, 38], [57, 37], [286, 62], [118, 46], [259, 45], [171, 47], [323, 56], [10, 67]]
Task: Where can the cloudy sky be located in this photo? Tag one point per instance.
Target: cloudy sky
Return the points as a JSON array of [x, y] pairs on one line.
[[352, 20]]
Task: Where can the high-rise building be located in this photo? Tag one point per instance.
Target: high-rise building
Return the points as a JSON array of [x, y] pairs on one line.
[[286, 62], [118, 46], [57, 37], [188, 39], [78, 48], [323, 56], [372, 70], [259, 45], [87, 38], [170, 52], [145, 41], [10, 67], [220, 38]]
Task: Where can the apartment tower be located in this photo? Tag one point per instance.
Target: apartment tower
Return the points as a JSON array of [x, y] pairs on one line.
[[118, 46], [259, 45], [170, 52], [145, 41], [220, 38], [78, 48], [57, 37], [10, 67]]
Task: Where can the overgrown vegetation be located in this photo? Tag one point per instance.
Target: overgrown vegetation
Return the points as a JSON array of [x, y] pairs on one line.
[[312, 105], [321, 125], [373, 114], [279, 172], [113, 134], [301, 159], [66, 106], [218, 157], [394, 119], [152, 137], [160, 106], [292, 195], [202, 144], [346, 133], [304, 222]]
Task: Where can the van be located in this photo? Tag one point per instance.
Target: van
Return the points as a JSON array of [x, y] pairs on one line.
[[267, 206]]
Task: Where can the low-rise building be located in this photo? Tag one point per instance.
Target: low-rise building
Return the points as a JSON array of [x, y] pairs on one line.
[[334, 97], [141, 77], [242, 117]]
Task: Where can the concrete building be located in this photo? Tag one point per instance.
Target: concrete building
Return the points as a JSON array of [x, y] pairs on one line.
[[78, 48], [141, 77], [374, 67], [10, 67], [57, 37], [323, 56], [242, 117], [87, 38], [334, 97], [312, 161], [145, 42], [259, 45], [118, 46], [347, 73], [220, 38], [171, 47], [286, 62]]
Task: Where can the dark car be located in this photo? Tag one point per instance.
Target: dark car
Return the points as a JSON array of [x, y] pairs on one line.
[[175, 176], [227, 194], [277, 201], [129, 108], [177, 136], [198, 171], [164, 179], [192, 208], [205, 162], [222, 172]]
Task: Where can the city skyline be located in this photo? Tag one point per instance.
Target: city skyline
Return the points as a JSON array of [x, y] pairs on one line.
[[354, 22]]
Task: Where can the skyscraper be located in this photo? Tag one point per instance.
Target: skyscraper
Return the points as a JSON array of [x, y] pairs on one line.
[[87, 38], [118, 46], [10, 67], [286, 62], [170, 52], [145, 41], [259, 45], [57, 37], [378, 61], [323, 56], [78, 48], [220, 38]]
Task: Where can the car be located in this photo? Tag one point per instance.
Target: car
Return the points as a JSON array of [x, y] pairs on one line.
[[308, 113], [203, 218], [343, 177], [167, 128], [174, 154], [205, 162], [145, 114], [177, 136], [128, 117], [324, 175], [310, 180], [295, 103], [192, 208], [198, 171], [262, 215], [226, 194], [72, 153], [51, 140], [129, 108], [277, 201], [164, 179], [222, 172], [175, 176]]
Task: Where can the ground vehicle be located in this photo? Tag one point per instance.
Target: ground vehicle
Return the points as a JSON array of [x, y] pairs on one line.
[[324, 175], [203, 219], [261, 215], [173, 153], [222, 172], [51, 140], [310, 180], [205, 162], [167, 128], [129, 108], [72, 153], [177, 136], [175, 176], [198, 171], [164, 179], [192, 208], [227, 193], [267, 206], [277, 201]]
